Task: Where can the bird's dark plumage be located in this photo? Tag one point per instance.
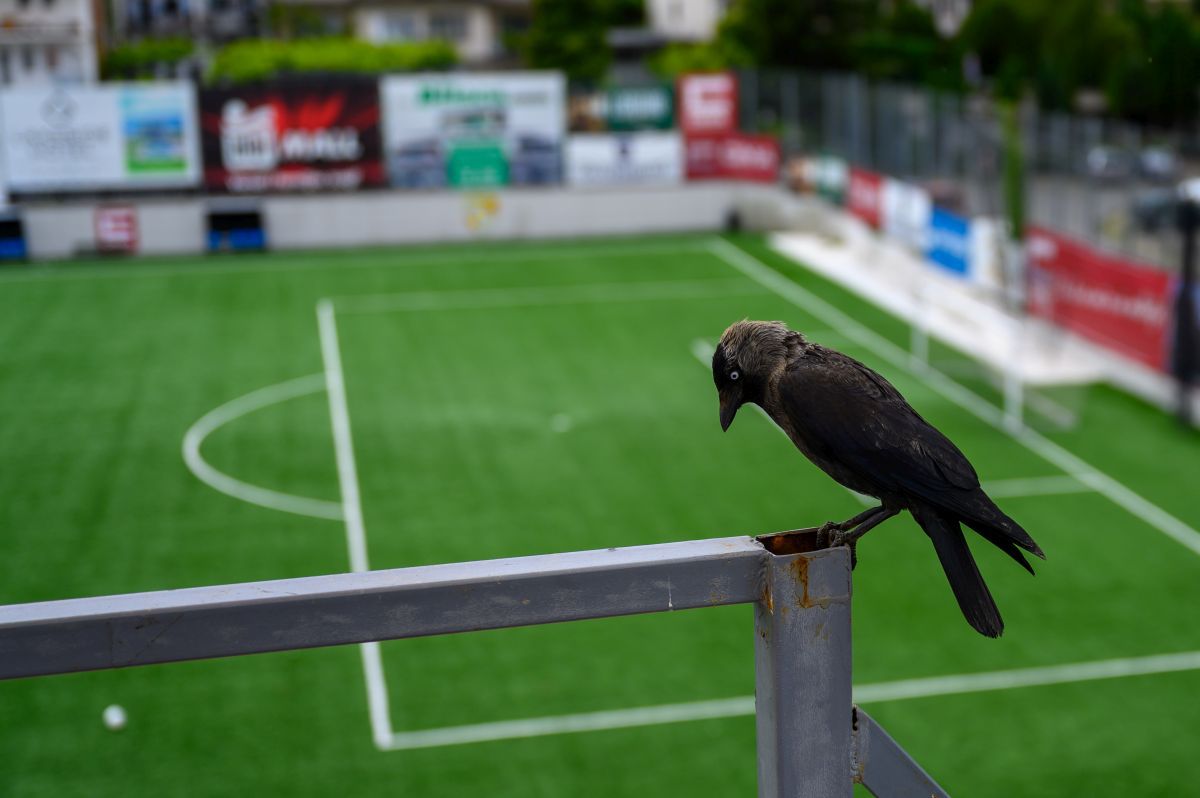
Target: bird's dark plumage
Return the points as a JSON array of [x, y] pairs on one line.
[[855, 426]]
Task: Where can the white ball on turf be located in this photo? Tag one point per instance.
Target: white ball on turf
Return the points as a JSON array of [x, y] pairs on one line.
[[114, 717]]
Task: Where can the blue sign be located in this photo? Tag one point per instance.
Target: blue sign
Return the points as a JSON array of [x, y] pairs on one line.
[[950, 242]]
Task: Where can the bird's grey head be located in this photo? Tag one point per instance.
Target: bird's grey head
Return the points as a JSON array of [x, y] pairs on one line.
[[749, 353]]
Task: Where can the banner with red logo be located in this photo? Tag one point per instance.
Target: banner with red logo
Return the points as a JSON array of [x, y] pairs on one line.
[[864, 196], [733, 156], [285, 136], [708, 102], [1119, 304], [116, 228]]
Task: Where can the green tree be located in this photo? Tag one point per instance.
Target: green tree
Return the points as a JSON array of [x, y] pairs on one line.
[[907, 46], [569, 35], [258, 59], [139, 60], [797, 33]]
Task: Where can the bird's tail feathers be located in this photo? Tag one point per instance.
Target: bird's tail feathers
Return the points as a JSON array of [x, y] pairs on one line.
[[974, 599], [990, 521]]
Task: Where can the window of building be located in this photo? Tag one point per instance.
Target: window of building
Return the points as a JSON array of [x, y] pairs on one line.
[[401, 26], [28, 58], [448, 25]]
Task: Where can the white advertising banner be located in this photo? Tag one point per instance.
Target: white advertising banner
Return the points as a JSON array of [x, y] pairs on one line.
[[474, 129], [599, 159], [906, 212], [109, 136]]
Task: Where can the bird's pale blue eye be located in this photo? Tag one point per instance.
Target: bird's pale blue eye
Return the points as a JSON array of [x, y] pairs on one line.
[[733, 375]]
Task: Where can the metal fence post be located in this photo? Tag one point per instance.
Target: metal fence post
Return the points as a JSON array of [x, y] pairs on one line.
[[802, 674]]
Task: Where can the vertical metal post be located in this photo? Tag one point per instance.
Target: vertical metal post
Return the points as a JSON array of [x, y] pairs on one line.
[[802, 670]]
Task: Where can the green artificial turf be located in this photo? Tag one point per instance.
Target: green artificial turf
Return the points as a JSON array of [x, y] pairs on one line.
[[515, 399]]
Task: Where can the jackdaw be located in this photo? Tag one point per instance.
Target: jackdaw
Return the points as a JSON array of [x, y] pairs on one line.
[[857, 428]]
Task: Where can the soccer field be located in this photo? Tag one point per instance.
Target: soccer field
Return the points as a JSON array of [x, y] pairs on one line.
[[209, 420]]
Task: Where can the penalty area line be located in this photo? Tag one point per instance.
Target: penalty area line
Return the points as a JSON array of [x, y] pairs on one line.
[[356, 536], [740, 706]]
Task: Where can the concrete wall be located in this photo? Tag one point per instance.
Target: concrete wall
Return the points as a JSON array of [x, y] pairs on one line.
[[178, 226], [64, 230]]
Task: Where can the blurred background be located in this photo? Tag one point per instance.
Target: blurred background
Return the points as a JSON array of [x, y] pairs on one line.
[[524, 225]]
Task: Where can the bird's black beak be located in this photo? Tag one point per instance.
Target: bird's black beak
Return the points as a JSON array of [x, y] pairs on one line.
[[729, 409]]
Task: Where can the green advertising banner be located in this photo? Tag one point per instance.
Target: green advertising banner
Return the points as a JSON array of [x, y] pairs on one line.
[[624, 108], [477, 164]]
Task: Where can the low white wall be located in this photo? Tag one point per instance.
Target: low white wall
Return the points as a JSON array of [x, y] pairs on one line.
[[65, 229]]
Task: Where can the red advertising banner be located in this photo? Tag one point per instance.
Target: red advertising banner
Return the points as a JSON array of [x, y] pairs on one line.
[[708, 102], [116, 228], [864, 196], [285, 136], [733, 156], [1119, 304]]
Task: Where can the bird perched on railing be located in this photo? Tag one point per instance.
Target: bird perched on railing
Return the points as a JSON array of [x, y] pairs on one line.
[[857, 428]]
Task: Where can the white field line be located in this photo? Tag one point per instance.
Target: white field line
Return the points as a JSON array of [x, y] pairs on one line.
[[1035, 486], [740, 706], [356, 537], [304, 261], [543, 295], [213, 420], [1075, 466]]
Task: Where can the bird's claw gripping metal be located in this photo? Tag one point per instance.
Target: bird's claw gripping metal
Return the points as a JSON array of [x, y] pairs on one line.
[[832, 534]]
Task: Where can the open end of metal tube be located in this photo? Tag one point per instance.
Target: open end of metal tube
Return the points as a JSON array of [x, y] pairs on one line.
[[797, 541]]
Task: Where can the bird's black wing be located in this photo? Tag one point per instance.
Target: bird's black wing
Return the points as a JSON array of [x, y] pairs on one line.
[[855, 417]]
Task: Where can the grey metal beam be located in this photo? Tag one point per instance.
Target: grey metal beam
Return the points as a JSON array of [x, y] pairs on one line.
[[886, 769], [802, 682], [198, 623]]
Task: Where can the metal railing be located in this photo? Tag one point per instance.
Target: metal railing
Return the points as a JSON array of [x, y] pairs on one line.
[[812, 740]]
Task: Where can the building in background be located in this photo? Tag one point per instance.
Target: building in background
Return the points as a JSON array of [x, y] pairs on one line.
[[48, 41], [481, 31], [204, 21], [685, 20], [948, 15]]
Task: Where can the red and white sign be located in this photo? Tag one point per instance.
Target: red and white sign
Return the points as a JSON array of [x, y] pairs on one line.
[[1122, 305], [116, 228], [864, 196], [708, 102], [734, 156]]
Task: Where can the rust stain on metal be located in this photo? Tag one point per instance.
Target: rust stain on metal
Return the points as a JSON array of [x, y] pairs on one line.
[[800, 567]]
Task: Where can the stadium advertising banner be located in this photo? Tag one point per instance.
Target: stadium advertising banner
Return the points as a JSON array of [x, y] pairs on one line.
[[599, 159], [292, 136], [949, 242], [117, 136], [733, 156], [906, 214], [831, 178], [708, 103], [1118, 304], [474, 130], [864, 196], [625, 108]]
